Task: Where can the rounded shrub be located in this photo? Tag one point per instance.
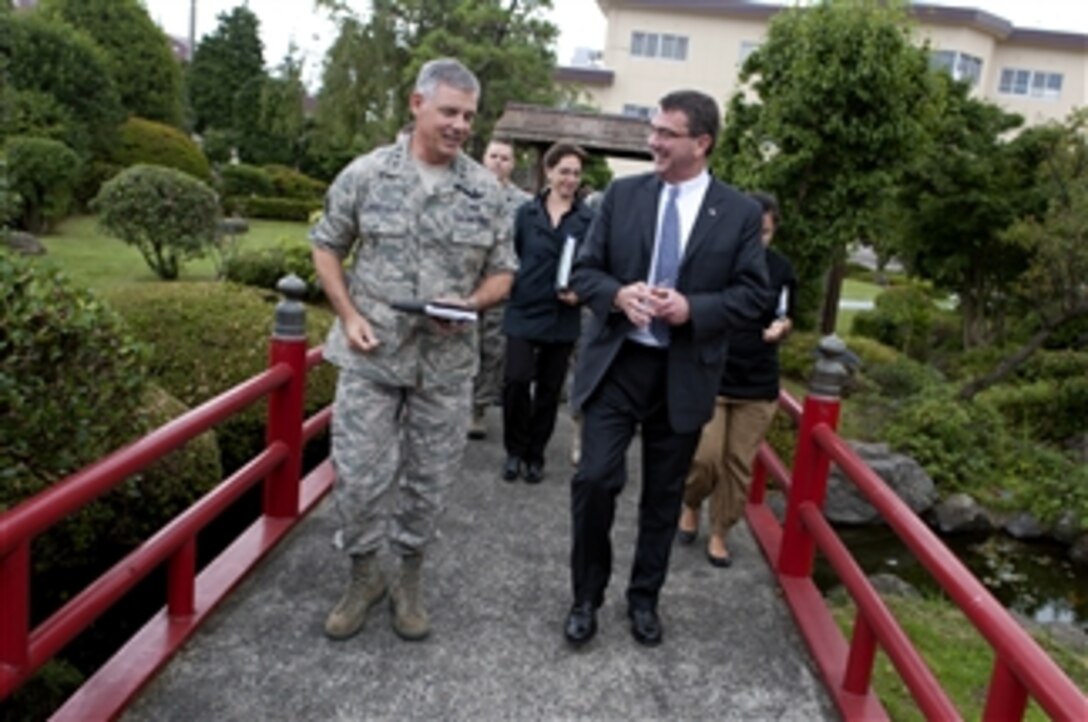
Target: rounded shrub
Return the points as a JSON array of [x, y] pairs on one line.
[[290, 183], [275, 209], [144, 141], [243, 180], [796, 355], [959, 443], [208, 337], [1048, 410], [167, 215], [74, 387], [263, 268], [902, 317], [43, 173]]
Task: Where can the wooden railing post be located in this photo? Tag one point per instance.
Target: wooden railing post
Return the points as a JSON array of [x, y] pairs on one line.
[[810, 463], [285, 405]]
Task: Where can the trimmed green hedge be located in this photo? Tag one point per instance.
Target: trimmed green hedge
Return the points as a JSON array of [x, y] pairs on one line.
[[42, 174], [263, 268], [290, 183], [275, 209], [244, 181], [73, 388], [208, 337], [145, 141]]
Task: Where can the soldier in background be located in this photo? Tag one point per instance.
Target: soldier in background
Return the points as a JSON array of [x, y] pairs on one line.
[[487, 386], [424, 222]]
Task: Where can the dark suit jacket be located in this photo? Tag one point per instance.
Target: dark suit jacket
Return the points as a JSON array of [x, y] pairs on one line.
[[723, 274]]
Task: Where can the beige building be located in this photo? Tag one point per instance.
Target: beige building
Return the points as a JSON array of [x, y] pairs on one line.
[[654, 46]]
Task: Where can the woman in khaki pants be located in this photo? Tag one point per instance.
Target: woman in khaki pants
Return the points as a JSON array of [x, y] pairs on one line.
[[746, 403]]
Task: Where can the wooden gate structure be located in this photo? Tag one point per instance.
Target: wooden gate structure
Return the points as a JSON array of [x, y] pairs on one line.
[[537, 127]]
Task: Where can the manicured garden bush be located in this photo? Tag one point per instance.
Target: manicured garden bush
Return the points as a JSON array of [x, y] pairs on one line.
[[290, 183], [265, 267], [34, 113], [902, 318], [1048, 410], [147, 142], [167, 215], [43, 174], [57, 60], [208, 337], [960, 444], [275, 209], [74, 387], [243, 180]]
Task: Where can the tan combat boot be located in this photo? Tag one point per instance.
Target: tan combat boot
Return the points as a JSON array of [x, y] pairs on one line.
[[410, 620], [477, 425], [366, 589]]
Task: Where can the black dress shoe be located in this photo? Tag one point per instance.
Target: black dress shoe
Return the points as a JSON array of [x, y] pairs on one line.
[[645, 626], [534, 472], [581, 623], [719, 562], [511, 469], [686, 537]]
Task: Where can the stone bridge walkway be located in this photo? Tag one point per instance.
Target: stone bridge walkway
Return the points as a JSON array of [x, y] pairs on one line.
[[498, 593]]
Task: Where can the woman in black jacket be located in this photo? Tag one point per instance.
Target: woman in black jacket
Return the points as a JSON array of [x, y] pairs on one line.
[[541, 321]]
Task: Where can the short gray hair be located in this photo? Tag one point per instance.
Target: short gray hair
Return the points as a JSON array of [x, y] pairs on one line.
[[445, 71]]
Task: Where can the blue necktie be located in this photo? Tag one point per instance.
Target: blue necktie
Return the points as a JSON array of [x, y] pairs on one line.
[[667, 263]]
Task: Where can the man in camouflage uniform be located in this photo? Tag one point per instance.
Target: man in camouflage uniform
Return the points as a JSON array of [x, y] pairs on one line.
[[424, 221], [487, 386]]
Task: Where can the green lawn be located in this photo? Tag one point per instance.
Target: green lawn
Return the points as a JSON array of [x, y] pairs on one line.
[[958, 655], [92, 258], [855, 290]]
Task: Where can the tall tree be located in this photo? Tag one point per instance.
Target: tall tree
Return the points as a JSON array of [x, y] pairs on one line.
[[966, 187], [57, 81], [356, 106], [839, 97], [372, 66], [269, 115], [508, 46], [137, 53], [224, 62], [1052, 290]]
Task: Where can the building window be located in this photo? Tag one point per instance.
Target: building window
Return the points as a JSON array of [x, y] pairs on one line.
[[961, 66], [637, 111], [747, 47], [659, 45], [1033, 83]]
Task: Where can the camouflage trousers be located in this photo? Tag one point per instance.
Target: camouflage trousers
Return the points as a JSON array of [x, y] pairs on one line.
[[395, 450], [487, 386]]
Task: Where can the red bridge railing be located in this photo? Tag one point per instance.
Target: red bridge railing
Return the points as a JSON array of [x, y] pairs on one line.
[[1022, 670], [190, 597]]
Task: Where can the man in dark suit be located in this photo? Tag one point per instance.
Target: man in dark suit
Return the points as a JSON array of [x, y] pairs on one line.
[[672, 263]]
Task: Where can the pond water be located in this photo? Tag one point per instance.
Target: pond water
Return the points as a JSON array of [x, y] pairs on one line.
[[1035, 579]]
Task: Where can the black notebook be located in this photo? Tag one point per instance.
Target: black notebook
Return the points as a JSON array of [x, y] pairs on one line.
[[437, 309]]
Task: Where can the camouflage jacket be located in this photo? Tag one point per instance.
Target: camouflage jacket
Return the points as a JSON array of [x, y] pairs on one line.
[[411, 244], [513, 198]]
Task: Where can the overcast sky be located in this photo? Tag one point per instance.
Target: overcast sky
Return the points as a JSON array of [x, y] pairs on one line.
[[580, 22]]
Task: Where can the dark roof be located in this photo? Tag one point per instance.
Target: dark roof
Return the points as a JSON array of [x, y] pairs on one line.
[[620, 136], [583, 75]]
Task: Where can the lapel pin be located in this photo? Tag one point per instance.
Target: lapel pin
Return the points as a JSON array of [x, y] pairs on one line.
[[713, 211]]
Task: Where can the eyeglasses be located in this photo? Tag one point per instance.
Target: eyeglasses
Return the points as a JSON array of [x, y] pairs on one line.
[[667, 133]]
